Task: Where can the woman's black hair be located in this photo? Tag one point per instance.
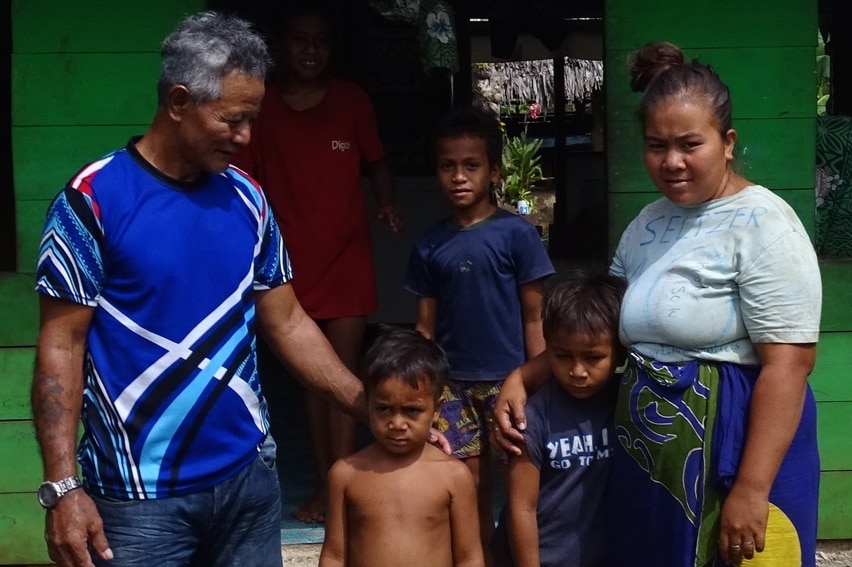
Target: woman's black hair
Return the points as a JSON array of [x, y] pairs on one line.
[[660, 71]]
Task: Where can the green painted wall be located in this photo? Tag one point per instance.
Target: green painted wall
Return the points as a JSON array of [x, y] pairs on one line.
[[83, 82], [765, 51]]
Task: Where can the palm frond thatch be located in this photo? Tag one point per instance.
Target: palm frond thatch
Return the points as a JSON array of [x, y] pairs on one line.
[[532, 81]]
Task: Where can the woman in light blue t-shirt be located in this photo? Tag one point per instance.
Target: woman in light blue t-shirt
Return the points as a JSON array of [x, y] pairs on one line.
[[716, 460]]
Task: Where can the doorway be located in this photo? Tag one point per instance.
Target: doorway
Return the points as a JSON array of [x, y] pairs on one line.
[[543, 76]]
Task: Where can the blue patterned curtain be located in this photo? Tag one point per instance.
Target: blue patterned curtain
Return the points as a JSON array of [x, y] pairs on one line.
[[435, 27]]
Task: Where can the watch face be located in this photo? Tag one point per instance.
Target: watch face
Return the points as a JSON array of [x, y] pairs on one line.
[[47, 495]]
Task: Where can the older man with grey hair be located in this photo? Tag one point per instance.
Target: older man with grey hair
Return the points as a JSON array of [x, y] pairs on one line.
[[156, 265]]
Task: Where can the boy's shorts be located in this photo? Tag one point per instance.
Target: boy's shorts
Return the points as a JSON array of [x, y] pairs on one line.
[[466, 415]]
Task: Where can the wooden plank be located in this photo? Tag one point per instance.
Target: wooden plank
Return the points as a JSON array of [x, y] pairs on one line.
[[22, 530], [20, 462], [84, 89], [777, 153], [830, 378], [623, 208], [19, 306], [45, 158], [769, 152], [834, 421], [836, 295], [74, 27], [804, 203], [29, 221], [835, 505], [626, 172], [711, 23], [778, 82], [16, 370]]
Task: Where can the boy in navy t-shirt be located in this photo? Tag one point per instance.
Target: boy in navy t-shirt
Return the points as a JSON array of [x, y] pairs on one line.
[[555, 512], [478, 277]]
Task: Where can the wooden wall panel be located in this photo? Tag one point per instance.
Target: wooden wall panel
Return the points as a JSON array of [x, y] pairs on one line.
[[84, 89], [19, 308], [769, 73], [830, 378], [625, 162], [623, 208], [40, 26], [45, 158], [837, 299], [711, 23], [20, 462], [834, 420], [802, 201], [760, 157], [30, 222], [770, 152], [22, 530], [16, 369], [835, 506]]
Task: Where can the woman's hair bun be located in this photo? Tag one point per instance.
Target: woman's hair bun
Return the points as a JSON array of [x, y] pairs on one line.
[[650, 60]]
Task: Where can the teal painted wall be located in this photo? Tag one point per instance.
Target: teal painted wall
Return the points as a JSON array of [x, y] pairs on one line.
[[765, 51]]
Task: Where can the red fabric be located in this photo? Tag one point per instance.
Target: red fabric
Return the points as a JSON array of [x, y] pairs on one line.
[[308, 163]]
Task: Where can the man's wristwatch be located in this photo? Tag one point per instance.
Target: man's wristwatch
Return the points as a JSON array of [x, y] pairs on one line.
[[49, 492]]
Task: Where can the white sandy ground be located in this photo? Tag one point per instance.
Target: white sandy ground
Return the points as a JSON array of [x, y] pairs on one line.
[[829, 554]]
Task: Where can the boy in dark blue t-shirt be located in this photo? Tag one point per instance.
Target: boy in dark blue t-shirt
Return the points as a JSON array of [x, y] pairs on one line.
[[478, 277], [555, 512]]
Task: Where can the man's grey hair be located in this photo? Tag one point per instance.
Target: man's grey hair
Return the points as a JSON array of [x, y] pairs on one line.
[[203, 49]]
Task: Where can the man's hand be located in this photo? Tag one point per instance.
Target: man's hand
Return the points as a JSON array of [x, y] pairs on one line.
[[71, 527], [437, 439], [509, 415], [509, 406]]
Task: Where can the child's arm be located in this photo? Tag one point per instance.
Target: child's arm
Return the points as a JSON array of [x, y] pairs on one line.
[[333, 552], [382, 183], [427, 316], [523, 501], [531, 294], [464, 520]]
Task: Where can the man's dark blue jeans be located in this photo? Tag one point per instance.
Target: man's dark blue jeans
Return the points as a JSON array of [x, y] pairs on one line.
[[234, 524]]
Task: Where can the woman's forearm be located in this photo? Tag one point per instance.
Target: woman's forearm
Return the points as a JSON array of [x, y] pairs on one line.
[[775, 412]]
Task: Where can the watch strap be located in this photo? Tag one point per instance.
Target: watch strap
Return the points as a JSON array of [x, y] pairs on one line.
[[67, 484], [50, 492]]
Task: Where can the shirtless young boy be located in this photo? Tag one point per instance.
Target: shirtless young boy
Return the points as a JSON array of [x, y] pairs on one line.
[[402, 501]]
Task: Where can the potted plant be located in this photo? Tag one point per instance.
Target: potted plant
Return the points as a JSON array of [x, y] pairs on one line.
[[521, 166]]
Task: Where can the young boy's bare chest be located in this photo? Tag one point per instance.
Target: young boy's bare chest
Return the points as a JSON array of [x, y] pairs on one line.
[[402, 498], [395, 519]]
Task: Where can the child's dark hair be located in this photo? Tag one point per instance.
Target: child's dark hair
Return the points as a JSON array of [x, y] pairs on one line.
[[473, 122], [405, 354], [583, 302]]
